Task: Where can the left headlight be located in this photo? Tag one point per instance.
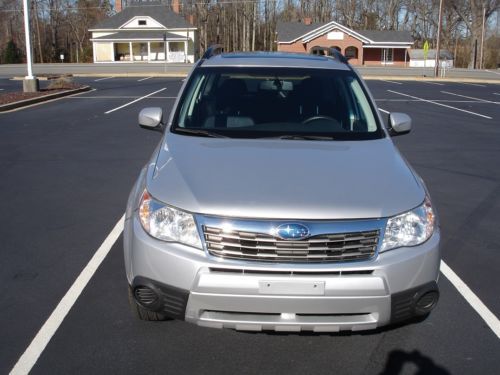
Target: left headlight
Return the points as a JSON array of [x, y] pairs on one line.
[[410, 228], [167, 223]]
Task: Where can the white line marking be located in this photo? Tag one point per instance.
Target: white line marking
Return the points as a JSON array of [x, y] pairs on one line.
[[489, 71], [496, 93], [432, 100], [143, 79], [441, 104], [472, 84], [134, 101], [102, 79], [434, 83], [126, 97], [1, 89], [384, 80], [470, 97], [473, 300], [383, 110], [44, 335]]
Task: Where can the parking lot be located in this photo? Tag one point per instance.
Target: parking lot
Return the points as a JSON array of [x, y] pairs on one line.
[[67, 166]]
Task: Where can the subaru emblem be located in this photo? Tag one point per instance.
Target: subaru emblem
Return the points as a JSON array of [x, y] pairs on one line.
[[292, 231]]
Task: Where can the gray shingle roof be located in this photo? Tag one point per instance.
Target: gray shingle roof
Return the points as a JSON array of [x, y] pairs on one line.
[[418, 54], [387, 35], [139, 34], [288, 31], [160, 13]]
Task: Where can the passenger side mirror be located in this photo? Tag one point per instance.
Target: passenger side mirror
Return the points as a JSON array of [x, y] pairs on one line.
[[151, 118], [399, 124]]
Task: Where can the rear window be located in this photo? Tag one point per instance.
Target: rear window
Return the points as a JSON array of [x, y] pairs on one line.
[[274, 102]]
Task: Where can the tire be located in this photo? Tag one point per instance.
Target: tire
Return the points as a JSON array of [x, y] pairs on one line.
[[142, 313]]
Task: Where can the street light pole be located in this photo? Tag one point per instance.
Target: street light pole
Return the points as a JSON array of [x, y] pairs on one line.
[[438, 44], [30, 83]]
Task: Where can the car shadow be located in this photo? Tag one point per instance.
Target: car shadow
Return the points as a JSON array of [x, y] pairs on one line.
[[397, 359]]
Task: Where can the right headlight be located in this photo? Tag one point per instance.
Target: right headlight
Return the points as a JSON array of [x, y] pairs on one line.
[[410, 228]]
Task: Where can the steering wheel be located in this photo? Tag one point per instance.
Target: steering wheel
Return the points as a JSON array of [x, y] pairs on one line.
[[316, 118]]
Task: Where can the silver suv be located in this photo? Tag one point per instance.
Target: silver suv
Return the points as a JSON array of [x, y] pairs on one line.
[[276, 200]]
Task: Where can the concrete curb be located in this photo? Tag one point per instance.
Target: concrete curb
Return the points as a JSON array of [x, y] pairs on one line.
[[41, 99]]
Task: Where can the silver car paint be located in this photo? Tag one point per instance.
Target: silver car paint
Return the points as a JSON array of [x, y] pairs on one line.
[[236, 182]]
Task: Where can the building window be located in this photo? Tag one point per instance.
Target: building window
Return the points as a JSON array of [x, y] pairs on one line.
[[387, 55], [351, 52], [142, 22]]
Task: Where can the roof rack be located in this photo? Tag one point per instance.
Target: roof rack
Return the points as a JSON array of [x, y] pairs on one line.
[[213, 50], [330, 52]]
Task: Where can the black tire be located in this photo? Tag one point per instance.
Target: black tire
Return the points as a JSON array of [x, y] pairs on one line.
[[141, 312]]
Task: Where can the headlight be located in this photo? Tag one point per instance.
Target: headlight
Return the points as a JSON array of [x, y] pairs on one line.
[[410, 228], [167, 223]]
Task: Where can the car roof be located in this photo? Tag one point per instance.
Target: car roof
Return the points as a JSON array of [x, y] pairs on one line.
[[274, 59]]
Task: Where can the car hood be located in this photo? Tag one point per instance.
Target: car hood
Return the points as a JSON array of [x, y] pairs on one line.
[[284, 179]]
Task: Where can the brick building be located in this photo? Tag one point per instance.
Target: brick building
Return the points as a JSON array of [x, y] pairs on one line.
[[363, 47]]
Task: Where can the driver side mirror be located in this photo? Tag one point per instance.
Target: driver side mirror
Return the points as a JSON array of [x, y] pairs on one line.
[[151, 118], [398, 124]]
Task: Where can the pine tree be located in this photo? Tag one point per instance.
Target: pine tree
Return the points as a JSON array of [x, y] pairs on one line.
[[11, 54]]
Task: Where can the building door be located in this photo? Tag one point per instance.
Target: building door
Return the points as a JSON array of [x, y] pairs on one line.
[[387, 56]]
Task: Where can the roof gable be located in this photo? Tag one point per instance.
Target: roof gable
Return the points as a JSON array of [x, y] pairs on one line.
[[161, 14], [136, 23]]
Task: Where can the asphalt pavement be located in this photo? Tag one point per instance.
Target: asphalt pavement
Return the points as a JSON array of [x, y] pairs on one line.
[[67, 166]]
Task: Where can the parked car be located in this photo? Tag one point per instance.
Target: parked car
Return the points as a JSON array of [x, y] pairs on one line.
[[276, 200]]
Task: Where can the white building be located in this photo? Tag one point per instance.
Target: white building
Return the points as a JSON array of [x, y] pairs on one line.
[[144, 32], [417, 58]]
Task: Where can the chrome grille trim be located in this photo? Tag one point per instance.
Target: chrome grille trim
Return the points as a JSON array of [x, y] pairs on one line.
[[331, 247]]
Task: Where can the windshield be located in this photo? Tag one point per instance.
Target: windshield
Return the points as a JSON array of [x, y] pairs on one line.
[[288, 103]]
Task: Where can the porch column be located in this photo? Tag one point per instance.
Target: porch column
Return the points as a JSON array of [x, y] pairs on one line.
[[93, 51], [149, 51], [113, 58], [131, 58], [167, 50]]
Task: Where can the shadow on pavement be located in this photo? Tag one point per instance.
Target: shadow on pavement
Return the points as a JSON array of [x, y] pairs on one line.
[[398, 359]]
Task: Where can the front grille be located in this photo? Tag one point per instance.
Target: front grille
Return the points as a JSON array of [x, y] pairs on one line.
[[264, 247]]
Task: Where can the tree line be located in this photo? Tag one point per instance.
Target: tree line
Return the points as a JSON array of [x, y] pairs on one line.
[[61, 26]]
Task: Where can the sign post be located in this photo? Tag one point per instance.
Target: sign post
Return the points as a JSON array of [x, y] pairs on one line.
[[426, 52]]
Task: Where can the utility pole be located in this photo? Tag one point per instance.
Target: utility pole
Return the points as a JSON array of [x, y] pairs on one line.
[[30, 82], [438, 44], [481, 65]]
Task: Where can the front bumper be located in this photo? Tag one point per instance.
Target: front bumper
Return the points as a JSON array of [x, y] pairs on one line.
[[249, 295]]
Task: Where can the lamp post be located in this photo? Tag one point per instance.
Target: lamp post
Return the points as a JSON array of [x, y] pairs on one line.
[[438, 44], [30, 82]]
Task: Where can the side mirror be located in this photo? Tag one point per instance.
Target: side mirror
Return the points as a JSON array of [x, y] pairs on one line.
[[151, 118], [399, 124]]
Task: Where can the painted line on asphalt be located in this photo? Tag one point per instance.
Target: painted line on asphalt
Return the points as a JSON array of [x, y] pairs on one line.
[[1, 89], [143, 79], [470, 97], [134, 101], [472, 84], [496, 93], [102, 79], [490, 319], [45, 334], [384, 111], [441, 104], [122, 97], [434, 83], [30, 356], [384, 80], [434, 100]]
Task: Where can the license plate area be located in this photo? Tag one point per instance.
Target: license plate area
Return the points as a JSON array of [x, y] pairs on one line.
[[292, 287]]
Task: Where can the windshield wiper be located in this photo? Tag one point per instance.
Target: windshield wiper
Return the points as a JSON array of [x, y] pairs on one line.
[[308, 137], [201, 132]]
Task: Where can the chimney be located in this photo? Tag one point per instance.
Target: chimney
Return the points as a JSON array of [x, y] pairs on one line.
[[307, 21], [118, 6], [176, 6]]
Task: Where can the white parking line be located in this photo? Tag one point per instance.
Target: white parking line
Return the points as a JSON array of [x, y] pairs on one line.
[[432, 100], [143, 79], [472, 84], [102, 79], [44, 335], [473, 300], [434, 83], [122, 97], [470, 97], [384, 111], [1, 89], [134, 101], [441, 104], [30, 356], [385, 80], [496, 93]]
